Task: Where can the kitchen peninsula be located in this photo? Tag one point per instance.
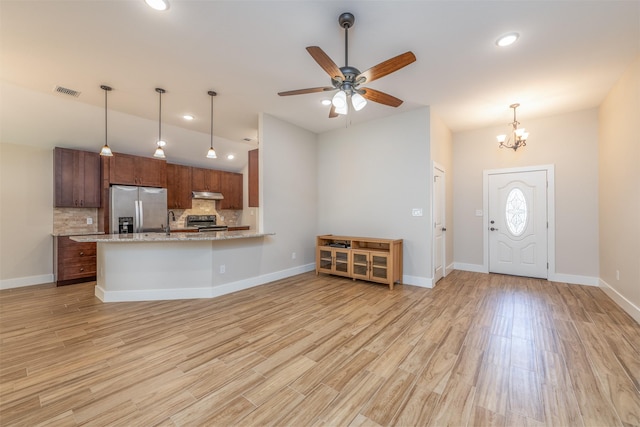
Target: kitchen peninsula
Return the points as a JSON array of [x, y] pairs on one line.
[[157, 266]]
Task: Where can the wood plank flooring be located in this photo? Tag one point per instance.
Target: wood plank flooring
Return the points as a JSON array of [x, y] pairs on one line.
[[477, 350]]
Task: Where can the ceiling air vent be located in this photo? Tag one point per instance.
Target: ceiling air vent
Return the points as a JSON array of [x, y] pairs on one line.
[[65, 91]]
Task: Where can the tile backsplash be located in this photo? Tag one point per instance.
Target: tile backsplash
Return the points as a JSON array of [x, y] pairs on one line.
[[74, 220], [205, 207]]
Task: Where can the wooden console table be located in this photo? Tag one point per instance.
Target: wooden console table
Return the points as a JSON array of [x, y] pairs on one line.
[[375, 260]]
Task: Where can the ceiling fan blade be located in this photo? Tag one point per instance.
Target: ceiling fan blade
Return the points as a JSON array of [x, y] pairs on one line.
[[332, 112], [309, 90], [325, 62], [381, 97], [387, 67]]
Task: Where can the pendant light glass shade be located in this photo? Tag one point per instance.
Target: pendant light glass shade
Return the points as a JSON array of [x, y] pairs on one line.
[[106, 150], [159, 153], [211, 154], [358, 101]]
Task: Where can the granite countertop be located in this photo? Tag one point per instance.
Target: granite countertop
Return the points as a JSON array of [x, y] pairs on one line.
[[173, 237], [77, 233]]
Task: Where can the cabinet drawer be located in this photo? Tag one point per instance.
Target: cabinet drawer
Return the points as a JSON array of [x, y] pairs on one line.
[[83, 250], [76, 268]]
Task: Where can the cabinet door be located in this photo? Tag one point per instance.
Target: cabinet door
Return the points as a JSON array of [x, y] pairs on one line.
[[254, 180], [178, 187], [151, 172], [64, 166], [205, 180], [122, 169], [324, 260], [360, 265], [379, 271], [90, 181], [342, 262], [231, 189]]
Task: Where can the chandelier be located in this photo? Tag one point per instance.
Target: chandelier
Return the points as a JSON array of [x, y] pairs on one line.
[[518, 137]]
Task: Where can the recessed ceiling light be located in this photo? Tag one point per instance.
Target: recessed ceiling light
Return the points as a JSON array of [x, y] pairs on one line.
[[188, 117], [507, 39], [230, 157], [158, 4], [326, 102]]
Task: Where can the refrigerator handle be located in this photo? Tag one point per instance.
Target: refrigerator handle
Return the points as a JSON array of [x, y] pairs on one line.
[[136, 220], [141, 223]]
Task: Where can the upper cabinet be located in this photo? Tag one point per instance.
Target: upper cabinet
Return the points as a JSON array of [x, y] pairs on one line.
[[231, 189], [254, 180], [178, 186], [205, 180], [126, 169], [77, 178]]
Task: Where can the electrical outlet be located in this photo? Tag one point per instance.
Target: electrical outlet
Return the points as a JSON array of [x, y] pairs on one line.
[[293, 255], [222, 269], [416, 212], [617, 274], [89, 220]]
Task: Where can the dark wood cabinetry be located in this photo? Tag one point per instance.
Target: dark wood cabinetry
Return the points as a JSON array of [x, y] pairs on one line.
[[231, 188], [74, 262], [205, 180], [179, 186], [126, 169], [253, 180], [77, 178]]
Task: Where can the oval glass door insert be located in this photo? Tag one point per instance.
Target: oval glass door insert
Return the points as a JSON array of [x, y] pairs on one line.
[[516, 212]]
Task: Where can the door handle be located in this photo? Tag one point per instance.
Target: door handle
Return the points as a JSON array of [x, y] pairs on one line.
[[444, 229], [493, 229]]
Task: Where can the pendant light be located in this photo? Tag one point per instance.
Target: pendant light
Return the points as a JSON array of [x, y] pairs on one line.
[[211, 154], [106, 151], [161, 143]]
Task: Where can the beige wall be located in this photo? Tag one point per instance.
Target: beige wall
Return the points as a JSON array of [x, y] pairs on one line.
[[442, 153], [26, 215], [619, 168], [568, 141], [371, 176]]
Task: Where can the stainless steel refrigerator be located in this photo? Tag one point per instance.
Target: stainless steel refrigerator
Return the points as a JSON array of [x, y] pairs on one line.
[[137, 209]]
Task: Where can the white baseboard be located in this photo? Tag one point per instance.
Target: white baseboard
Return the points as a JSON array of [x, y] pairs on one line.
[[26, 281], [573, 279], [449, 269], [476, 268], [621, 300], [193, 293], [423, 282]]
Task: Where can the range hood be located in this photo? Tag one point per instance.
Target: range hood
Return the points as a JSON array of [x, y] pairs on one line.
[[207, 195]]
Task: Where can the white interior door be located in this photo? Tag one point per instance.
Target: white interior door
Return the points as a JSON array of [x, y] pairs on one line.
[[438, 223], [518, 223]]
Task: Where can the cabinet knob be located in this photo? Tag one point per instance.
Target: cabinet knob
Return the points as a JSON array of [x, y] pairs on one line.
[[81, 253], [81, 269]]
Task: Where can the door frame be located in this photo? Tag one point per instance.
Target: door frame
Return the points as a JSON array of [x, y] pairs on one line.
[[443, 203], [551, 213]]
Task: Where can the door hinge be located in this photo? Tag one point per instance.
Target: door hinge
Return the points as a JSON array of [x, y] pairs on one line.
[[547, 266]]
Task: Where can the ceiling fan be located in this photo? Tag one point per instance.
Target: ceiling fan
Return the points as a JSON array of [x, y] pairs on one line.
[[348, 80]]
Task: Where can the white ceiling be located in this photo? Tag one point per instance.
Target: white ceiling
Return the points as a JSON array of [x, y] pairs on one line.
[[569, 55]]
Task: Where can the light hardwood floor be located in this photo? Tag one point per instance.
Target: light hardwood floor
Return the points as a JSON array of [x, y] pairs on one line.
[[477, 349]]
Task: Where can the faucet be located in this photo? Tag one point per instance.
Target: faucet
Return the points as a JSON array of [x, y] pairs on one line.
[[173, 216]]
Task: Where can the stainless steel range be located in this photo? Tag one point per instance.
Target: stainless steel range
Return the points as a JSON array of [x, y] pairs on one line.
[[204, 223]]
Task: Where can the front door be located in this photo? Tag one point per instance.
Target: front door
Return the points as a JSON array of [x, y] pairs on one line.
[[518, 223]]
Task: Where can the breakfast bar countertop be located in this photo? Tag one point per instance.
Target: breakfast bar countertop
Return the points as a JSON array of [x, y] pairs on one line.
[[172, 237]]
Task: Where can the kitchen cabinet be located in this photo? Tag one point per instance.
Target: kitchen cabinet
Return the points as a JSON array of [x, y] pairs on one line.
[[77, 178], [178, 186], [74, 262], [253, 179], [371, 259], [126, 169], [231, 188], [205, 180]]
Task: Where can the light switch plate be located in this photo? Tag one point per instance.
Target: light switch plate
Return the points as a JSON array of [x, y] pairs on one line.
[[416, 212], [478, 212]]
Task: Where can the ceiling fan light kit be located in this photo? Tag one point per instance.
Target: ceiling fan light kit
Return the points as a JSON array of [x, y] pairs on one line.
[[347, 80], [519, 135]]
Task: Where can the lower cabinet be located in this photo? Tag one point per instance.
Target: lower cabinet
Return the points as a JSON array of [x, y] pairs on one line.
[[74, 262], [375, 260]]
